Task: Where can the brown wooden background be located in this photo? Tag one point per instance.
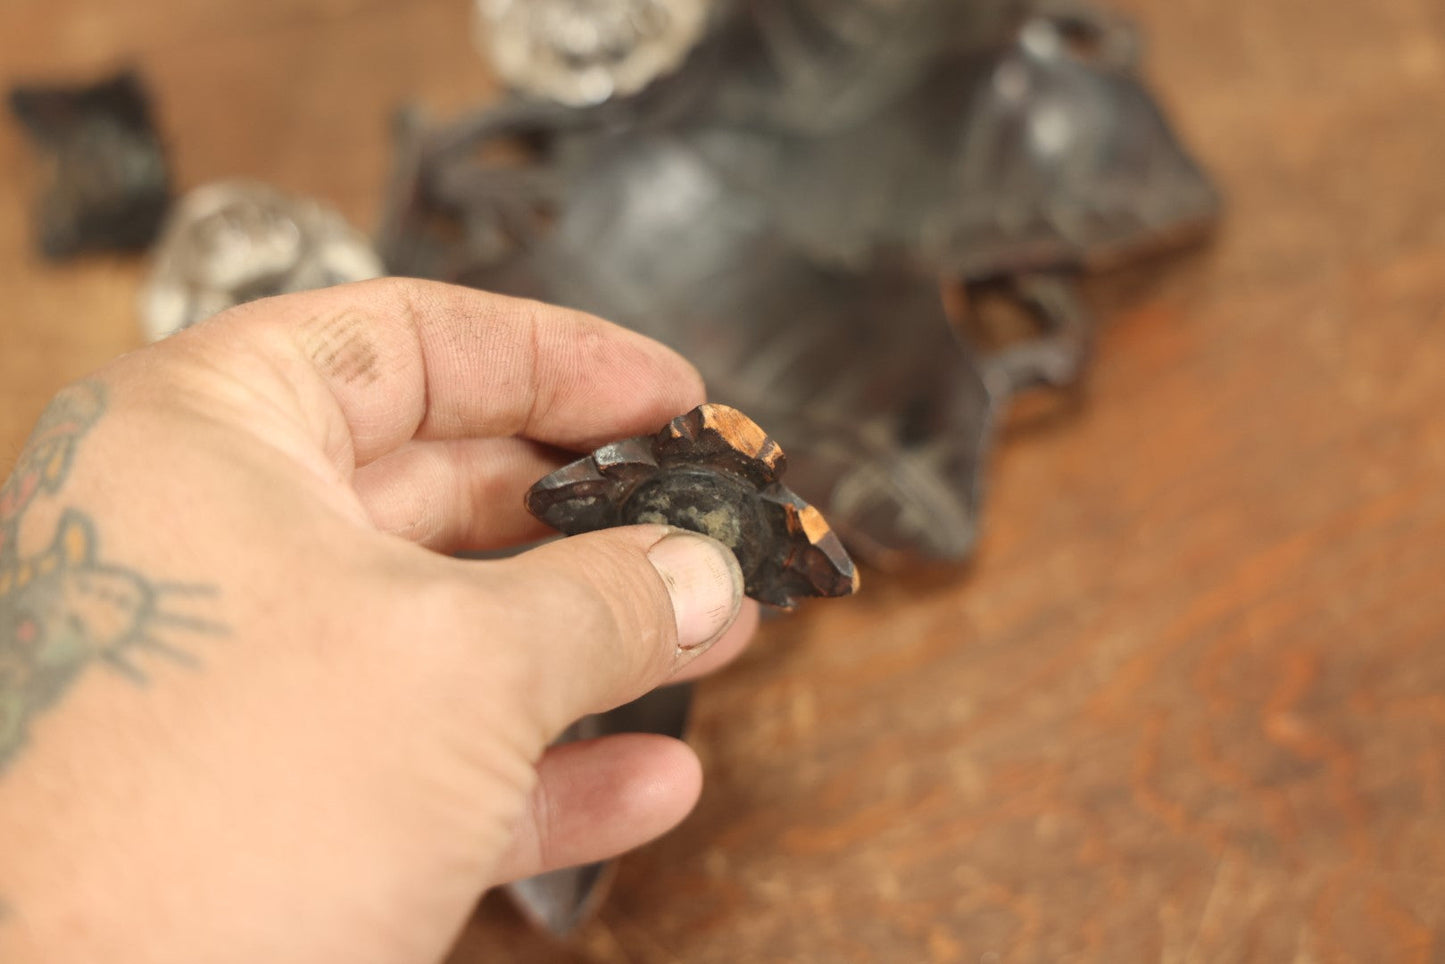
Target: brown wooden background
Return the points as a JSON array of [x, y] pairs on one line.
[[1187, 705]]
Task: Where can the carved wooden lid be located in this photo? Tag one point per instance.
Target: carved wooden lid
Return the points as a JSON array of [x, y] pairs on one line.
[[712, 471]]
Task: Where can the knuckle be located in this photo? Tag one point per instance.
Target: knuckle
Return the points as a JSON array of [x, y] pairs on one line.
[[342, 345]]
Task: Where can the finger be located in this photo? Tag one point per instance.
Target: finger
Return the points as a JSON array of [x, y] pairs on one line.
[[599, 798], [456, 495], [377, 363], [728, 648], [606, 616]]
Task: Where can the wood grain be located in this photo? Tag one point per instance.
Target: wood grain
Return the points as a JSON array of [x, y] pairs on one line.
[[1187, 705]]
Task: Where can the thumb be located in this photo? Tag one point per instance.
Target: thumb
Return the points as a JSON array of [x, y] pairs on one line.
[[607, 616]]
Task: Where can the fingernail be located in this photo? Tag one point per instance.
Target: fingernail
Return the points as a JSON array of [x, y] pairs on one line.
[[705, 584]]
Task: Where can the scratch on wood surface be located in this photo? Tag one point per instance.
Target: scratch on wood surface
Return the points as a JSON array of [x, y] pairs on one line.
[[1190, 955]]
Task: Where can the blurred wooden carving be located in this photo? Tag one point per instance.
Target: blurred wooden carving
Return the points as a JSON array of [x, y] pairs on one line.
[[234, 241], [110, 184], [588, 51], [795, 250]]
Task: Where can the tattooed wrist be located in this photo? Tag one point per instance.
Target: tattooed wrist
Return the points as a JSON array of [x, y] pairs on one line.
[[66, 606]]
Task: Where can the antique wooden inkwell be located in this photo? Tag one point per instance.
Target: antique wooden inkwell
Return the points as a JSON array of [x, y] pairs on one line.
[[788, 206]]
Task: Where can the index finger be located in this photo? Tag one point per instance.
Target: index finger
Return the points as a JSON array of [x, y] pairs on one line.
[[396, 359]]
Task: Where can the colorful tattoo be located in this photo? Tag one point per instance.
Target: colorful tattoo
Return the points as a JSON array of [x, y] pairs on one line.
[[63, 608]]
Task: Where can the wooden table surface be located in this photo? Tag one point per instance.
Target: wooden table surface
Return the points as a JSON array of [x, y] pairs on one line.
[[1187, 704]]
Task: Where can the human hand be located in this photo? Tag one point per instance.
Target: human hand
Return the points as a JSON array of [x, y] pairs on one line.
[[251, 711]]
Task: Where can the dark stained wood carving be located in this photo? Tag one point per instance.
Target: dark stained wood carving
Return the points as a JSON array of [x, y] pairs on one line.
[[713, 471], [111, 184], [785, 217]]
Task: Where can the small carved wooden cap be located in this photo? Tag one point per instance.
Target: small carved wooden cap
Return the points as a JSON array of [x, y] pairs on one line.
[[712, 471]]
